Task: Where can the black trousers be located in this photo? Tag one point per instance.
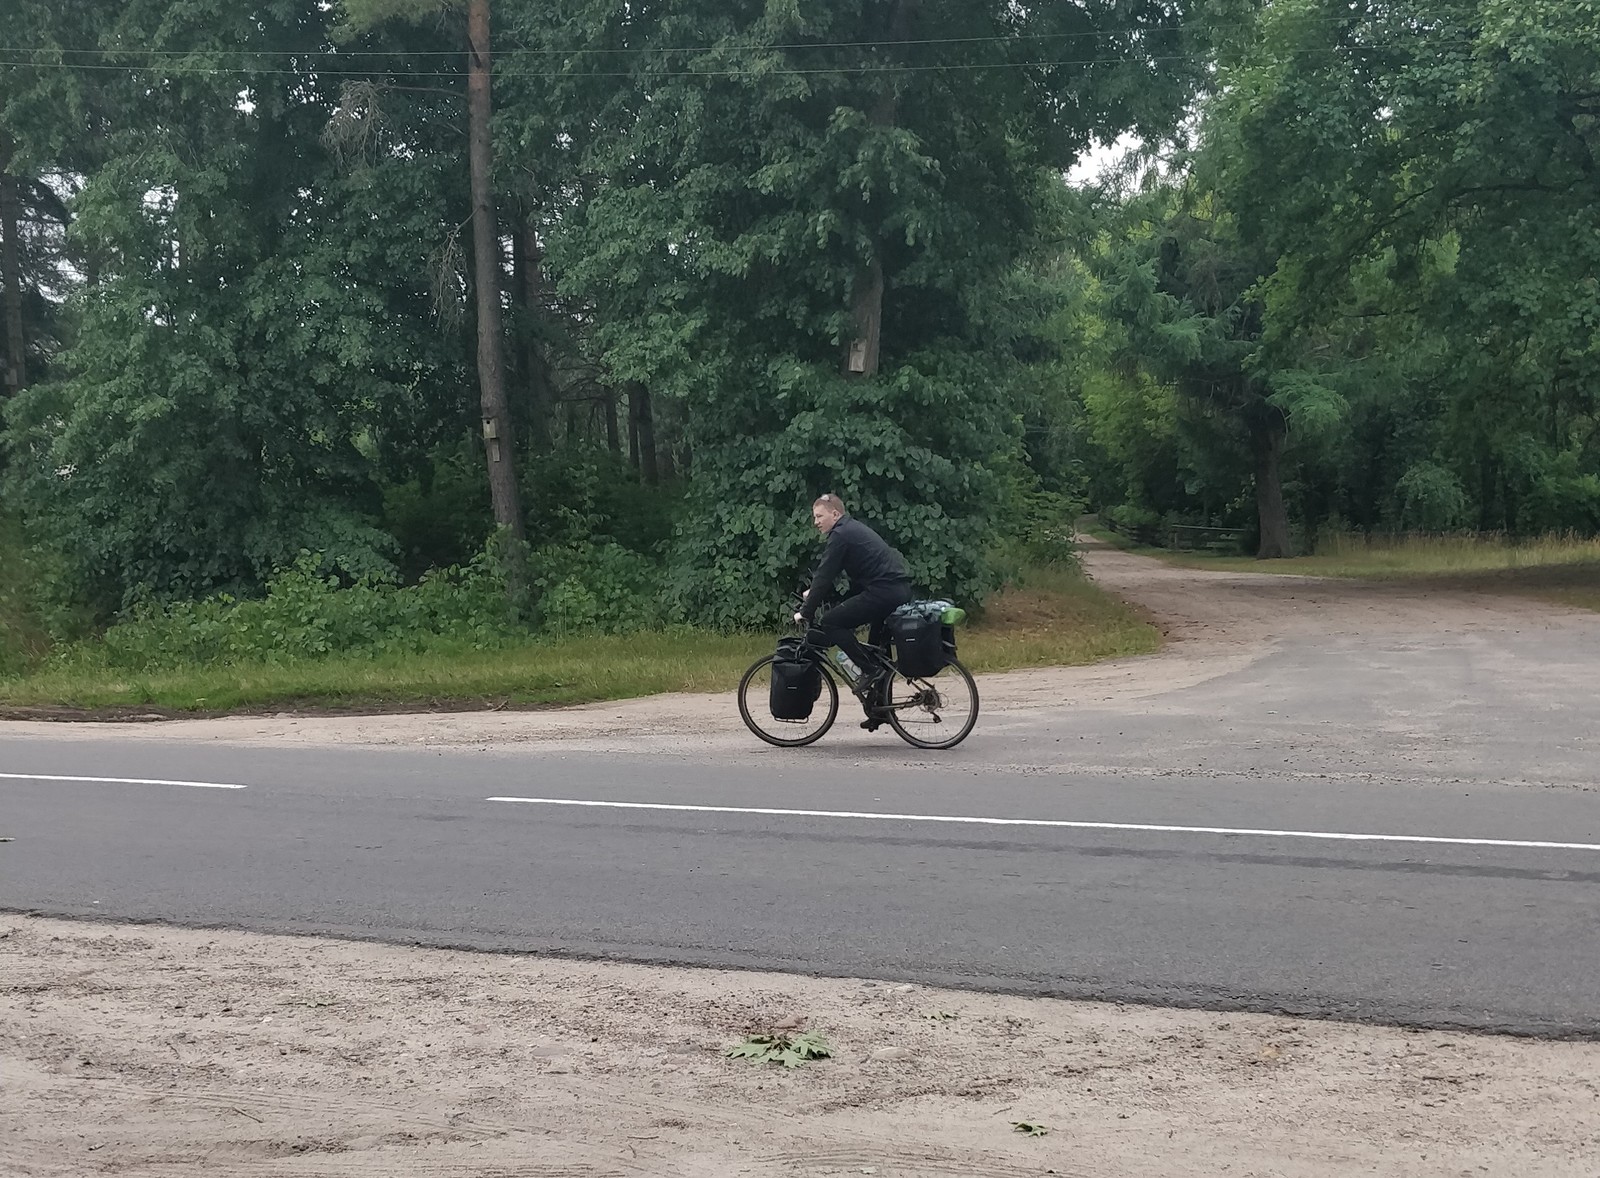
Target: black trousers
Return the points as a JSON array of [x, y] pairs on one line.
[[839, 624]]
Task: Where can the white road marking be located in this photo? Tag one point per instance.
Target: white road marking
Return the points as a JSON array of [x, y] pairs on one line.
[[116, 780], [1329, 836]]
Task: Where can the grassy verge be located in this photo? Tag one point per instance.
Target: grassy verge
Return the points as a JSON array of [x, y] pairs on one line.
[[22, 638], [1057, 618], [1408, 556]]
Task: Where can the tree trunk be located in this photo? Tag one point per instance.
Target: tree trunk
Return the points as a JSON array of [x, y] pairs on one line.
[[1268, 439], [530, 293], [633, 429], [862, 350], [613, 439], [498, 438], [866, 319], [16, 375], [649, 460]]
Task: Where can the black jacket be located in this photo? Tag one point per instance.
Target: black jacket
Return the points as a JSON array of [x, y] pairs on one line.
[[862, 555]]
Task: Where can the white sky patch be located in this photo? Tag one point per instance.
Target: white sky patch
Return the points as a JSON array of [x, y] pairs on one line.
[[1093, 164]]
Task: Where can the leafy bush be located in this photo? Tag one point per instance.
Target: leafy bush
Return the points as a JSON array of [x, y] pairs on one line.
[[591, 495], [587, 588], [1563, 500], [1430, 498], [442, 517], [1041, 536], [1128, 516], [308, 614]]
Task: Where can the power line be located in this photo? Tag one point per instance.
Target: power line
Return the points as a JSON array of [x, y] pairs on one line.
[[641, 50], [188, 69]]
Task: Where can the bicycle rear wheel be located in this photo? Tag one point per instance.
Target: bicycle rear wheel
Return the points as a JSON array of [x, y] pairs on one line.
[[789, 734], [936, 713]]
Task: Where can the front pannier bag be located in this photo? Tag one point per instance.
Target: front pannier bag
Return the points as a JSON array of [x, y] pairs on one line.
[[796, 682]]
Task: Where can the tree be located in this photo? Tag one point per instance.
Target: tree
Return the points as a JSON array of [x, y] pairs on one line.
[[767, 188], [499, 436], [16, 368], [1426, 171], [238, 367], [1184, 288]]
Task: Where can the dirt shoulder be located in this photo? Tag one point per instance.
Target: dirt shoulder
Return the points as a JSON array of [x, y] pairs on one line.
[[148, 1051]]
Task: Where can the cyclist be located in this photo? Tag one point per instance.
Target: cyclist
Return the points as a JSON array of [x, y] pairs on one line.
[[878, 586]]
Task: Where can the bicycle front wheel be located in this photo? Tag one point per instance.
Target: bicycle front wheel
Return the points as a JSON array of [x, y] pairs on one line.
[[754, 691], [933, 713]]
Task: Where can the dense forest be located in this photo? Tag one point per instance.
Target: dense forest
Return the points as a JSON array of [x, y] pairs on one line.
[[576, 305]]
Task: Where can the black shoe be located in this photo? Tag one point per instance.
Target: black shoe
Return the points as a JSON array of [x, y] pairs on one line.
[[872, 723]]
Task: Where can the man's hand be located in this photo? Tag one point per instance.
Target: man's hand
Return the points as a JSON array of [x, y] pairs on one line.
[[798, 618]]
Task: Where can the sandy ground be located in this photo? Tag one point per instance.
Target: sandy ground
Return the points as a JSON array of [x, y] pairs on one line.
[[143, 1051]]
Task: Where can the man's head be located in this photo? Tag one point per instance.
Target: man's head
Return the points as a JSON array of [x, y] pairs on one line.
[[826, 512]]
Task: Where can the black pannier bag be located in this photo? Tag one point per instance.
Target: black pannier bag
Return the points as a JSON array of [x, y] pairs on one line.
[[796, 682], [919, 644]]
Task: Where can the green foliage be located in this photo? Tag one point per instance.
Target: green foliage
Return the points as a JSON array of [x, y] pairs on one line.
[[1130, 516], [1039, 535], [308, 615], [587, 588], [1431, 499], [440, 517], [1565, 498], [789, 1051], [909, 452], [1424, 173], [586, 494]]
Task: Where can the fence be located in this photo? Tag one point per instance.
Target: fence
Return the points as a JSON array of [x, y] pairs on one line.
[[1181, 537]]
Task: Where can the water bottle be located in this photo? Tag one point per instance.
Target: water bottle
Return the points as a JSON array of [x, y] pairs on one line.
[[848, 668]]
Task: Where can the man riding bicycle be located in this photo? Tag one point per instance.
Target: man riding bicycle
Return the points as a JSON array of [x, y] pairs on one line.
[[879, 585]]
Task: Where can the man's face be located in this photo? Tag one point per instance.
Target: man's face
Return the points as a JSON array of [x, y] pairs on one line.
[[824, 517]]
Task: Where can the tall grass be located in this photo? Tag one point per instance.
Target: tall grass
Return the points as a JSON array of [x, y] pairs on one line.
[[1360, 555], [1347, 554]]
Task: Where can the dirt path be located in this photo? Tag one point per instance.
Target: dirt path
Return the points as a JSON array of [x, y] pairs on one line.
[[152, 1052]]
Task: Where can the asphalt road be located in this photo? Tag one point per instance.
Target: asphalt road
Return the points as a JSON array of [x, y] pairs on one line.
[[406, 846]]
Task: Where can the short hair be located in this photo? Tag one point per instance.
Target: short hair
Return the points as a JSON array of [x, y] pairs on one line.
[[831, 502]]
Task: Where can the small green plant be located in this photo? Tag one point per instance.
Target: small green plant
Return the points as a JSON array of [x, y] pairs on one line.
[[789, 1051], [941, 1016], [1029, 1129]]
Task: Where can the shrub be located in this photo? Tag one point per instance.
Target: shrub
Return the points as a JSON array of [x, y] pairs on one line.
[[308, 614], [1430, 498]]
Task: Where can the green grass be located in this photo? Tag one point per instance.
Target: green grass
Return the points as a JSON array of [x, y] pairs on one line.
[[1408, 556], [22, 638], [1055, 618]]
